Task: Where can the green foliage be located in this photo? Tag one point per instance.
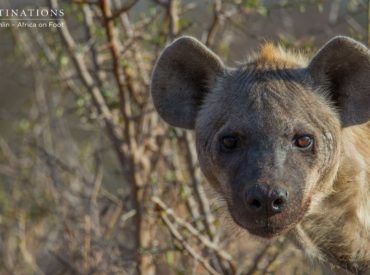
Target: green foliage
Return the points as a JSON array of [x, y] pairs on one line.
[[170, 258]]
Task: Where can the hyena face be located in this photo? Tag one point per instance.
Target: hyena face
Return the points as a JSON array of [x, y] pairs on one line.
[[267, 133], [265, 141]]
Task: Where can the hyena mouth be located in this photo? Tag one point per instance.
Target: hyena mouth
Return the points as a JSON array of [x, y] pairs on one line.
[[268, 231], [262, 229], [267, 227]]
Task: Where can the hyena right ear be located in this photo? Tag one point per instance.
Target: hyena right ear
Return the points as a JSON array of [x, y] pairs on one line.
[[342, 66], [182, 76]]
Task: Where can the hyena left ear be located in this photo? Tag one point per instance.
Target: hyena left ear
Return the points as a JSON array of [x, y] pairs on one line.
[[182, 77], [343, 67]]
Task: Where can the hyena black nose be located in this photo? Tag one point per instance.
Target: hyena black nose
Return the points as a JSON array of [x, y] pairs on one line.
[[260, 197]]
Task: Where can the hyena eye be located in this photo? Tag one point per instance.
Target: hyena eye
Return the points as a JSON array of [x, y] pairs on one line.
[[229, 142], [303, 141]]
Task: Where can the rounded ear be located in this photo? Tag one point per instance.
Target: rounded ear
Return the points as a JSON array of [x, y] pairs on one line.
[[343, 67], [182, 76]]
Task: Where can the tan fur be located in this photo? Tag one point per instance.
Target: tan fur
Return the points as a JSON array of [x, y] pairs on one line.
[[274, 56], [341, 222]]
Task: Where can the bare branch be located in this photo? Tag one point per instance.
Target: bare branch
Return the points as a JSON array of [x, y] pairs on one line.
[[211, 33], [123, 9], [205, 241], [176, 234], [92, 88]]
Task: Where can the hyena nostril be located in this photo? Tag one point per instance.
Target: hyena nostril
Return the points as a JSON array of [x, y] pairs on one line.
[[278, 203], [255, 198], [278, 200], [255, 204]]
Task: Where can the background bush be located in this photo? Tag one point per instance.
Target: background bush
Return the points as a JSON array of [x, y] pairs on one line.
[[91, 180]]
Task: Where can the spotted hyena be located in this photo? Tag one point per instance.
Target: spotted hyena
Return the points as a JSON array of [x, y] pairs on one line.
[[283, 139]]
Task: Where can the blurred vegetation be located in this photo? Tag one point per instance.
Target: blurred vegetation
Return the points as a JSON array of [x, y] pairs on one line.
[[93, 182]]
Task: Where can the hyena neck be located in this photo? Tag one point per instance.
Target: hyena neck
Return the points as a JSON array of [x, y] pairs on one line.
[[352, 184], [338, 229]]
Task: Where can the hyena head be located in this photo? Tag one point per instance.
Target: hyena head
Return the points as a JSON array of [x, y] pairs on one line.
[[268, 133]]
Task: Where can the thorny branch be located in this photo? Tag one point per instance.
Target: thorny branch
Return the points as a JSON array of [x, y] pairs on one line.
[[205, 241], [123, 9], [217, 17], [176, 234]]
